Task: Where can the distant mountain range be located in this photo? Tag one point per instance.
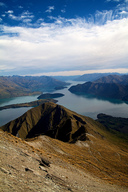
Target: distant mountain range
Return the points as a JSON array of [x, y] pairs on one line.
[[13, 86], [117, 79], [93, 76], [112, 86]]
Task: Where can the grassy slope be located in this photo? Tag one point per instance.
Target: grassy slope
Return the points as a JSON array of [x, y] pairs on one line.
[[103, 154]]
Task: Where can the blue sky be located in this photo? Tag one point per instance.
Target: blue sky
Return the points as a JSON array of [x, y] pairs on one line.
[[63, 37]]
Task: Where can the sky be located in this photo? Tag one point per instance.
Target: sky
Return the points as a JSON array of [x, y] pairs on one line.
[[63, 37]]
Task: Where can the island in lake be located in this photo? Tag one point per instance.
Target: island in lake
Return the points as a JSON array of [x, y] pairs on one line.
[[50, 95], [43, 98]]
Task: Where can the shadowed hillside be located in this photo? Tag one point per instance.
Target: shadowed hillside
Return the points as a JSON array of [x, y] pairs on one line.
[[116, 125], [50, 119], [106, 90], [111, 86]]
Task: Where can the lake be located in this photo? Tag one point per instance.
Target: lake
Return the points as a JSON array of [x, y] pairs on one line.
[[82, 104]]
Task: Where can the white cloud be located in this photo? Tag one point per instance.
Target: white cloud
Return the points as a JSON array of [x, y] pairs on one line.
[[9, 11], [66, 46], [78, 72], [25, 17], [50, 9]]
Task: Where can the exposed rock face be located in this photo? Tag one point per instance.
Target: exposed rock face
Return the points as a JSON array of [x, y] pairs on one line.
[[49, 119]]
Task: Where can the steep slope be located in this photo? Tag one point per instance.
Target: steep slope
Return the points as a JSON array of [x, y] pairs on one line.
[[106, 90], [50, 119], [22, 168]]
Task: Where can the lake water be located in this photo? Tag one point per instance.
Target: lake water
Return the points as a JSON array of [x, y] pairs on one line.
[[82, 104]]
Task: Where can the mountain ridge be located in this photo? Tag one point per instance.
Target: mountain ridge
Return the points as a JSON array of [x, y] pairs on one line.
[[50, 119], [105, 87], [94, 76], [122, 79], [14, 86]]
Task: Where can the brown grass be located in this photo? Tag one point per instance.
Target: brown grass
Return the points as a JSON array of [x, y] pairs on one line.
[[102, 158]]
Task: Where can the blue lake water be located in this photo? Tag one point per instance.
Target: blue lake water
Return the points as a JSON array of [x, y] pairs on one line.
[[82, 104]]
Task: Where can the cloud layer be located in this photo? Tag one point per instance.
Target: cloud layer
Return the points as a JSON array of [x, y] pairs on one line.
[[97, 43]]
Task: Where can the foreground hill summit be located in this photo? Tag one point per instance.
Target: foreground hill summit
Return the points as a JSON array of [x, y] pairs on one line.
[[91, 158], [49, 119]]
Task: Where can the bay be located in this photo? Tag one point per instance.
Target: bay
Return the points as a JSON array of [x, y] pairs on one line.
[[83, 104]]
